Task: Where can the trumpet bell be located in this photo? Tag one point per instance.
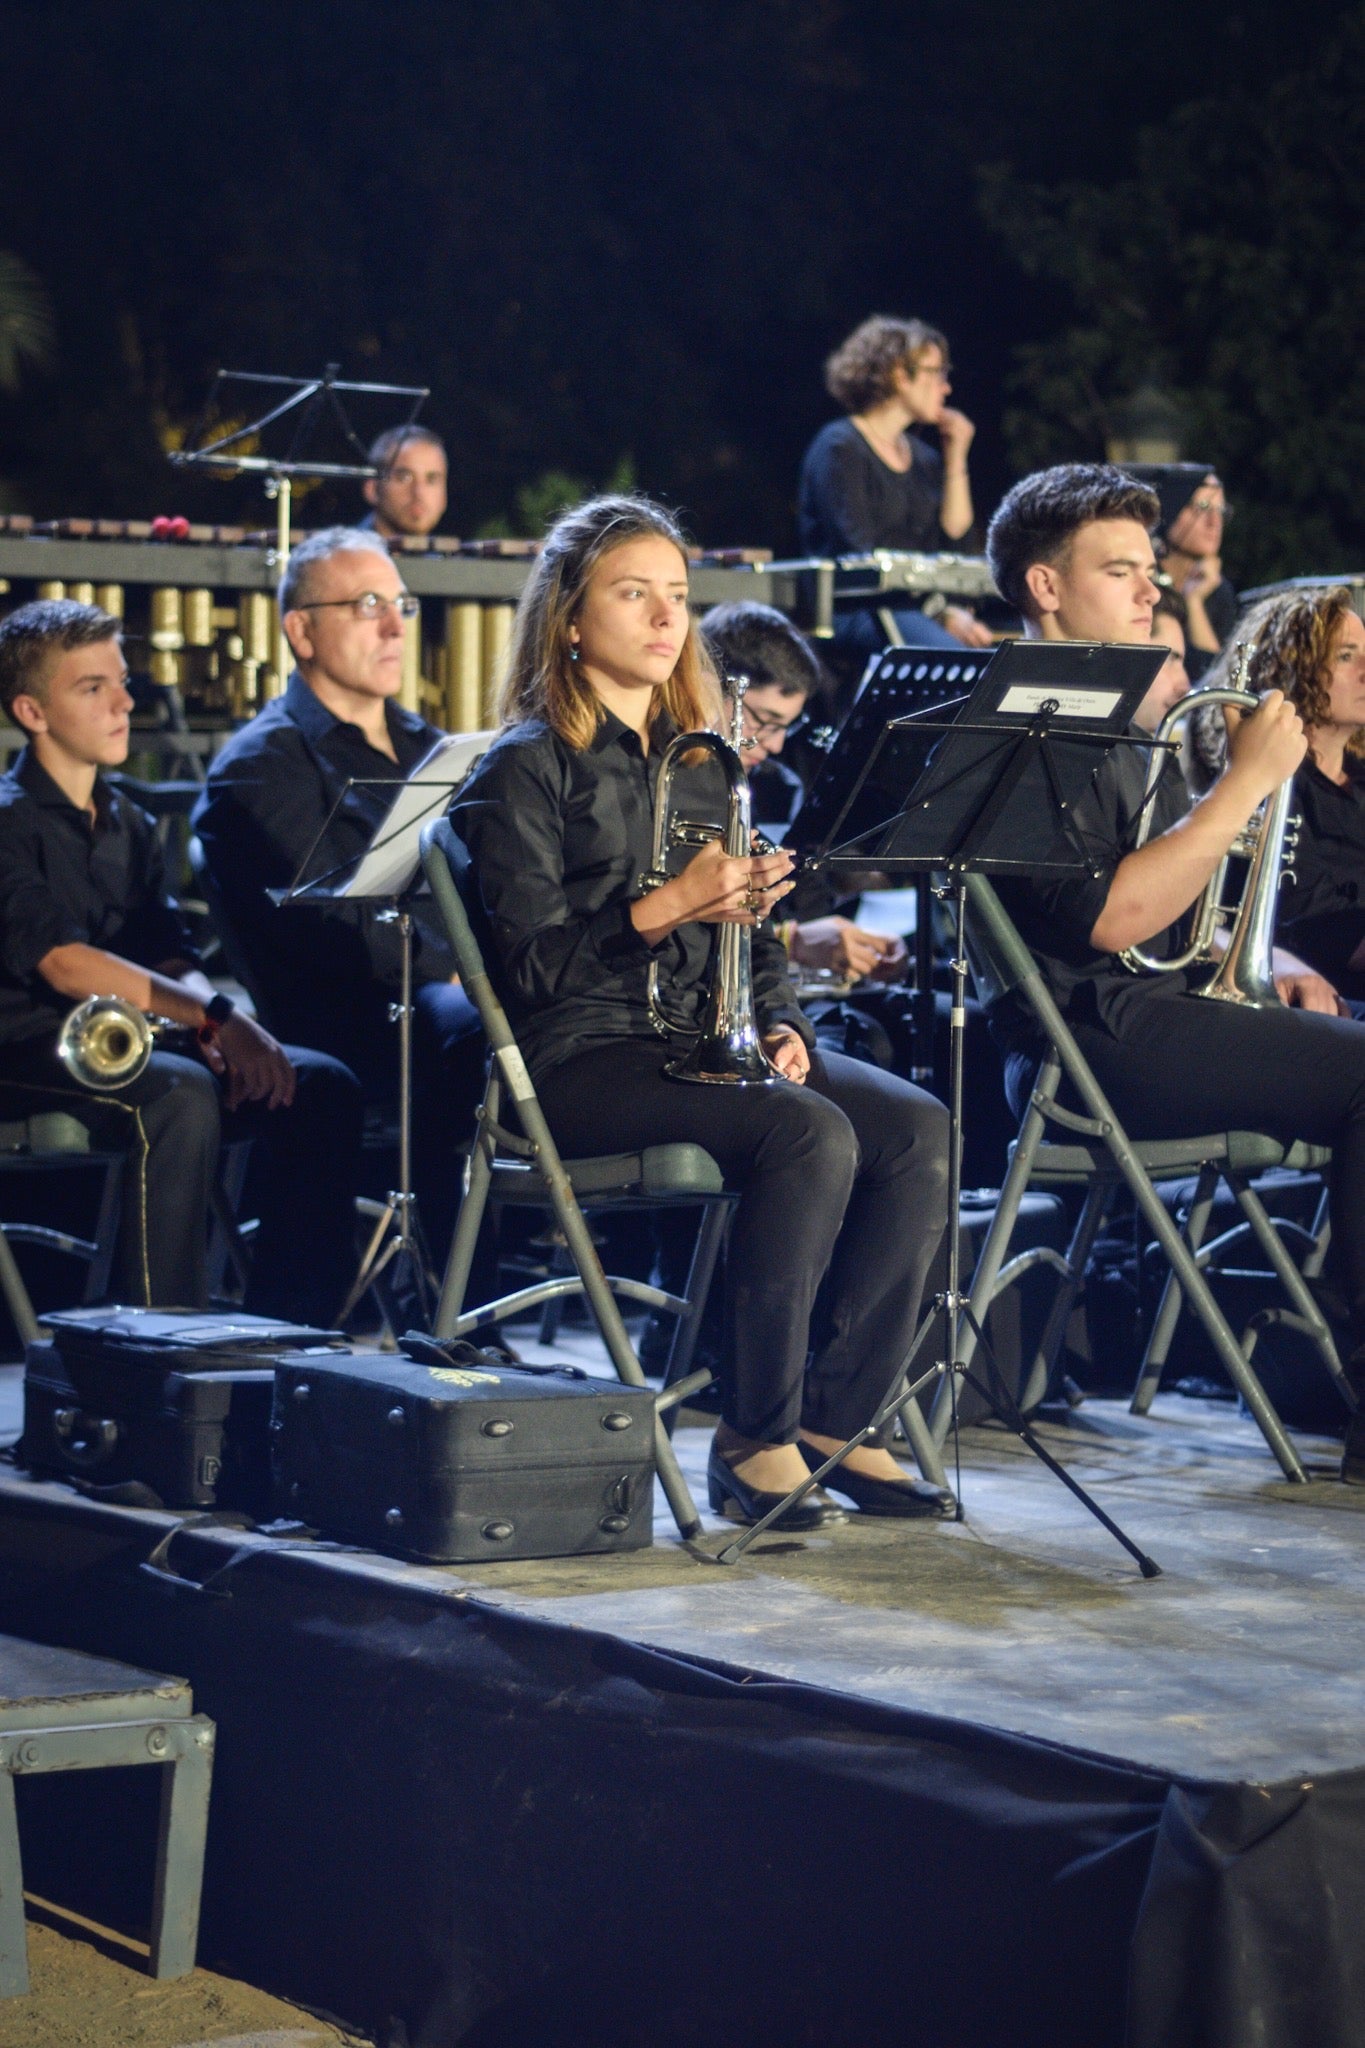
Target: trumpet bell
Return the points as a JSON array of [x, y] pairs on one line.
[[105, 1043]]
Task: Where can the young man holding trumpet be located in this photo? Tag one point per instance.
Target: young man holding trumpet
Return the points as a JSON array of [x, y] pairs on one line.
[[1070, 547]]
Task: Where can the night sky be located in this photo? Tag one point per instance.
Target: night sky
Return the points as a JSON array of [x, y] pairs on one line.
[[599, 232]]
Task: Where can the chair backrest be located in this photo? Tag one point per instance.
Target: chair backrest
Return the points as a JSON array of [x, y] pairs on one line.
[[229, 938], [450, 873]]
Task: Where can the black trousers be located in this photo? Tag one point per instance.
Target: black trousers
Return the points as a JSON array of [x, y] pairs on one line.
[[1182, 1067], [171, 1121], [843, 1195]]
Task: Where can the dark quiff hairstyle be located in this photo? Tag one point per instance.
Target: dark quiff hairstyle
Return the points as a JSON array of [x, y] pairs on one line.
[[755, 640], [1038, 520], [1292, 639], [861, 372], [543, 680], [388, 446], [32, 636]]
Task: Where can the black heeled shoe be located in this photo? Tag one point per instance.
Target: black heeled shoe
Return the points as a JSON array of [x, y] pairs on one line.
[[910, 1499], [738, 1502]]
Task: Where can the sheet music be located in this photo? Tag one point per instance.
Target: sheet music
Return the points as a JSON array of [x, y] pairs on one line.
[[392, 858]]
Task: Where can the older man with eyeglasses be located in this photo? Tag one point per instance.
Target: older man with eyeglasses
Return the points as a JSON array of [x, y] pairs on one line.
[[310, 778]]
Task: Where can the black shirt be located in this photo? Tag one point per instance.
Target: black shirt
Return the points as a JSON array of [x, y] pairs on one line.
[[852, 502], [1322, 912], [560, 840], [1056, 917], [67, 879], [1220, 608], [322, 973]]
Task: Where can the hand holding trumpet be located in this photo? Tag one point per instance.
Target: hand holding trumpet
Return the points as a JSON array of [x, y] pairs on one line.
[[715, 888]]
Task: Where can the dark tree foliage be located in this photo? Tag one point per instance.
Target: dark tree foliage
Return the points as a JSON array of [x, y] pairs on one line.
[[1228, 269], [605, 234]]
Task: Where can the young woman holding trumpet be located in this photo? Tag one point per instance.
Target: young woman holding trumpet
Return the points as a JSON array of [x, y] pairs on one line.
[[841, 1169]]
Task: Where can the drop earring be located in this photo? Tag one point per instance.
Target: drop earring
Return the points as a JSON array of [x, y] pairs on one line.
[[573, 650]]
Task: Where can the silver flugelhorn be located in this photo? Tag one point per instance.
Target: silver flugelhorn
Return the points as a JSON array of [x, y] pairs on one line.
[[1244, 971], [106, 1042], [728, 1048]]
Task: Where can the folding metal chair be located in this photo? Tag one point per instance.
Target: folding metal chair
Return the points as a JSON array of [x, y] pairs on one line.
[[524, 1166], [48, 1142], [1099, 1157]]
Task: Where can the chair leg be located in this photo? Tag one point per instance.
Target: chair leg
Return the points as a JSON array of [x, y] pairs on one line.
[[180, 1850], [13, 1933], [997, 1240], [715, 1220], [478, 1175], [1290, 1278], [106, 1232], [1168, 1313], [1094, 1209], [17, 1298]]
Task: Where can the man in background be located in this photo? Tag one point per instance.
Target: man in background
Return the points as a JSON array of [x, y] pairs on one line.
[[408, 495]]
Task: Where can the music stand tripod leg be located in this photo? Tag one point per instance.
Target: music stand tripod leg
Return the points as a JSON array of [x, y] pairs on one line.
[[398, 1232], [953, 1308]]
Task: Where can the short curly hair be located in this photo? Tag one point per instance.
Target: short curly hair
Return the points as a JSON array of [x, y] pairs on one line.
[[1292, 639], [1038, 520], [861, 371]]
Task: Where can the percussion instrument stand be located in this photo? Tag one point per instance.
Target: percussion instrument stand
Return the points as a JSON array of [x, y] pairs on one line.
[[396, 1241]]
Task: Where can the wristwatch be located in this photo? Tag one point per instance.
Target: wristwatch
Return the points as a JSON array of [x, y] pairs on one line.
[[216, 1013]]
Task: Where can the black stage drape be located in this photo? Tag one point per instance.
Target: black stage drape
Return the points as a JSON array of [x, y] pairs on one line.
[[449, 1823]]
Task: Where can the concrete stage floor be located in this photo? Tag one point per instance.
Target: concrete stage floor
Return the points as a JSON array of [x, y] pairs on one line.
[[1242, 1662]]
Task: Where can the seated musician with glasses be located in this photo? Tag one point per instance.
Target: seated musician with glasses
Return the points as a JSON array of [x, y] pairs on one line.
[[841, 1170], [1189, 538], [761, 644], [408, 495], [871, 481], [85, 911], [277, 796], [1071, 548]]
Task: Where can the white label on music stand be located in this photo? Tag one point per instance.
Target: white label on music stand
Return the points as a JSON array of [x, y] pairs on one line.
[[1030, 697]]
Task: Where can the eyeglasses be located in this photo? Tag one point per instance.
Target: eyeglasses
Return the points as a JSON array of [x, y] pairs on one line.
[[765, 722], [1201, 505], [369, 605], [943, 371]]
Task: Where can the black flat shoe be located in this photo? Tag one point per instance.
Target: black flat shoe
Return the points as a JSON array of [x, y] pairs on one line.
[[911, 1499], [729, 1496]]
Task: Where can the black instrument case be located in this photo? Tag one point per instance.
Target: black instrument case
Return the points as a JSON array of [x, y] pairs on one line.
[[170, 1401], [462, 1458]]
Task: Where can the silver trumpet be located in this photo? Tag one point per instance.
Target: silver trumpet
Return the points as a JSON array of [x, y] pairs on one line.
[[106, 1042], [728, 1048], [1244, 971]]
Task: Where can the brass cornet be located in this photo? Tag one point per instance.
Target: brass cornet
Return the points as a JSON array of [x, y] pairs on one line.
[[1244, 971], [106, 1042], [728, 1048]]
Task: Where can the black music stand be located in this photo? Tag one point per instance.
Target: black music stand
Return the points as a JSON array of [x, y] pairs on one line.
[[390, 872], [997, 796], [863, 779], [309, 404]]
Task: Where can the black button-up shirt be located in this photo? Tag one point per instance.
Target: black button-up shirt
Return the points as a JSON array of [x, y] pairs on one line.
[[1055, 916], [1322, 911], [67, 879], [322, 972], [561, 840]]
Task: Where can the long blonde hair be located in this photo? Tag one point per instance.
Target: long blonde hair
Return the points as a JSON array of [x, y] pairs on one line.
[[543, 681]]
